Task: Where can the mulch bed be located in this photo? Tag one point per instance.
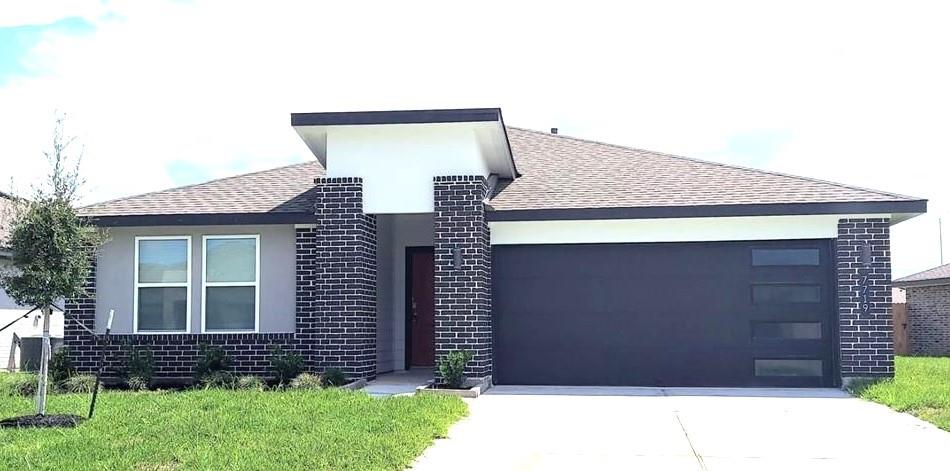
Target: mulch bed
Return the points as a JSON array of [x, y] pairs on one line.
[[56, 420]]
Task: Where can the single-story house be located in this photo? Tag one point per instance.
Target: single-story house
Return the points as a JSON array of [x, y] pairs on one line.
[[555, 260], [10, 311], [928, 311]]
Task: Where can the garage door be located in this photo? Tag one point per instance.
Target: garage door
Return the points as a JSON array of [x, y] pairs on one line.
[[665, 314]]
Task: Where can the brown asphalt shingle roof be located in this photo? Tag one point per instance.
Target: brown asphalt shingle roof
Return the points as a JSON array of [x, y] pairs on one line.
[[557, 172], [939, 273]]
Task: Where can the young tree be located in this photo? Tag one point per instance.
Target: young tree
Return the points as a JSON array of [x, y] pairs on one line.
[[50, 244]]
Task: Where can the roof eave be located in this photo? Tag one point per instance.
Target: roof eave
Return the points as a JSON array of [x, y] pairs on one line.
[[199, 219], [902, 209], [921, 283]]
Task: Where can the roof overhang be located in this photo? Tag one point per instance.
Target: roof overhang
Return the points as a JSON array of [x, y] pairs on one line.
[[486, 124], [200, 219], [920, 283], [897, 211]]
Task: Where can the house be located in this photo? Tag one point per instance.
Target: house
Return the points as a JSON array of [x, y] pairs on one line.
[[10, 311], [555, 260], [928, 311]]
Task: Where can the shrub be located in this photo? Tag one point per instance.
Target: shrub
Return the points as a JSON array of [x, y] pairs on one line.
[[286, 365], [307, 381], [79, 384], [211, 359], [60, 366], [218, 379], [452, 367], [334, 377], [139, 368], [18, 384], [249, 382]]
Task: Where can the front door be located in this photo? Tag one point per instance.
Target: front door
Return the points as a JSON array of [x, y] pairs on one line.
[[421, 305]]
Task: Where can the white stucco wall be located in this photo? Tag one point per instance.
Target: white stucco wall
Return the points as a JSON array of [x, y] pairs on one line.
[[666, 230], [398, 163]]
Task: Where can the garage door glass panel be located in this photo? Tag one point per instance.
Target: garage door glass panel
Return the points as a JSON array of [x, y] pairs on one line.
[[788, 367], [786, 330], [785, 294], [785, 257]]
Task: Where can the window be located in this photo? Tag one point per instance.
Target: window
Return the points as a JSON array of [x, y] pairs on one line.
[[779, 293], [785, 257], [231, 267], [786, 330], [162, 284], [788, 367]]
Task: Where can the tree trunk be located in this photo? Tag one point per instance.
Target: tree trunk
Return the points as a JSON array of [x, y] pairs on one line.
[[44, 364]]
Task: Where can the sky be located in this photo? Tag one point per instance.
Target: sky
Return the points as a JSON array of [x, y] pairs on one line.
[[162, 94]]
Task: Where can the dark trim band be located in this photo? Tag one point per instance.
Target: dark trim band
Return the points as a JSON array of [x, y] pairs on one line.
[[921, 283], [718, 210], [396, 117], [216, 219]]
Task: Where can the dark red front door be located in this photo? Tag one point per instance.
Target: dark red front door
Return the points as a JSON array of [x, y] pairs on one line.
[[422, 307]]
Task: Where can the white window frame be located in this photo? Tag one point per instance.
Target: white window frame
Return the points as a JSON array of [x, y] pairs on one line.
[[137, 285], [205, 284]]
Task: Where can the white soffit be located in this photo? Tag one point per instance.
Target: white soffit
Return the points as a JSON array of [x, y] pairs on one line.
[[667, 230]]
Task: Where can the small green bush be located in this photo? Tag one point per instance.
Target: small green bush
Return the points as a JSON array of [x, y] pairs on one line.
[[334, 377], [18, 384], [250, 382], [60, 366], [307, 381], [286, 365], [138, 368], [218, 379], [452, 368], [78, 384], [212, 359]]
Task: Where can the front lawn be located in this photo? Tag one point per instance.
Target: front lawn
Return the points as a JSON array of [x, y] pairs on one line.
[[223, 429], [921, 386]]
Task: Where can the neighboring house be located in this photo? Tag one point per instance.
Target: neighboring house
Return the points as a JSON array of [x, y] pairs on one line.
[[928, 311], [555, 260], [9, 309]]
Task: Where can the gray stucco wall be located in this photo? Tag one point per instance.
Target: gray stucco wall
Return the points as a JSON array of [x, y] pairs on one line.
[[5, 301], [116, 263]]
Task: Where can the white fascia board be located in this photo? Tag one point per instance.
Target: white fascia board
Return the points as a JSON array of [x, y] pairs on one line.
[[667, 230]]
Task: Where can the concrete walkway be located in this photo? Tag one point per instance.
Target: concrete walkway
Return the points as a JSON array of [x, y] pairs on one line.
[[684, 429], [398, 382]]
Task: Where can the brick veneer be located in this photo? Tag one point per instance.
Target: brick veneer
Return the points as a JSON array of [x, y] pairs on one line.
[[928, 320], [865, 323], [463, 295], [336, 281]]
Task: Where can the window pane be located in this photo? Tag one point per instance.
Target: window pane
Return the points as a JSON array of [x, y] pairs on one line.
[[231, 260], [780, 294], [765, 257], [786, 330], [163, 261], [163, 308], [788, 368], [229, 308]]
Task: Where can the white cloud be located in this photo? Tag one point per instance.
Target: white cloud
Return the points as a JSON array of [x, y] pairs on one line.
[[856, 89]]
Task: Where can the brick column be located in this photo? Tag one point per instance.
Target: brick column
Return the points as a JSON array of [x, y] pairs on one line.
[[864, 298], [463, 293], [80, 344], [336, 281]]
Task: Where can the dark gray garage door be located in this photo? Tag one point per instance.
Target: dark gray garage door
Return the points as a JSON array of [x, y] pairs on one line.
[[677, 314]]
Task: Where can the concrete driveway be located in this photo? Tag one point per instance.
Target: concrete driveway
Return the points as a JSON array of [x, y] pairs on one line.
[[522, 427]]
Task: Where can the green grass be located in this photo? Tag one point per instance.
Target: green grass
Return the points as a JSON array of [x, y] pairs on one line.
[[921, 386], [219, 429]]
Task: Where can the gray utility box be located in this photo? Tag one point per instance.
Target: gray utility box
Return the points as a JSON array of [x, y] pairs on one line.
[[31, 349]]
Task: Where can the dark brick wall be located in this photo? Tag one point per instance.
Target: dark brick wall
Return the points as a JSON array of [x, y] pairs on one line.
[[82, 311], [463, 295], [336, 281], [928, 320], [864, 298]]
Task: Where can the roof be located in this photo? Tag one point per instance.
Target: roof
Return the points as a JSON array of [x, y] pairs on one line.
[[560, 172], [561, 177], [934, 276]]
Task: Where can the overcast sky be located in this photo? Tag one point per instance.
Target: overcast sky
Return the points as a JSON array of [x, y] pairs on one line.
[[165, 94]]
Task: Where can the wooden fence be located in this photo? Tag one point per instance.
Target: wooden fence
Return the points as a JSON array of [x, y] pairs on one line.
[[900, 328]]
